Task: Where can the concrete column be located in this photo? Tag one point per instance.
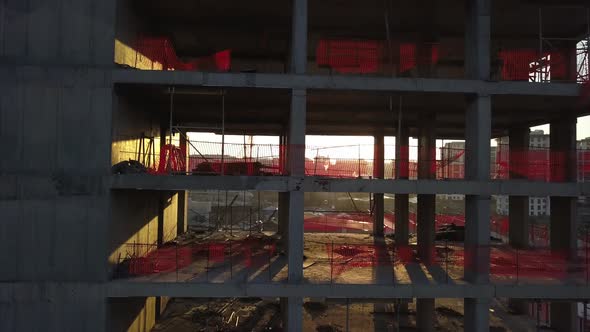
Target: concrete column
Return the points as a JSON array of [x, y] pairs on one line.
[[283, 199], [425, 315], [401, 208], [477, 314], [518, 213], [563, 237], [378, 173], [283, 217], [293, 310], [299, 39], [426, 212], [518, 205], [477, 39], [478, 122], [564, 316], [402, 171], [477, 209], [182, 209], [296, 164], [563, 209], [426, 202]]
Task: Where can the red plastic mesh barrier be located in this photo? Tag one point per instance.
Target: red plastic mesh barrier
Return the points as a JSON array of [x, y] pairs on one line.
[[412, 54], [535, 164], [161, 50], [540, 164], [172, 159], [369, 56], [350, 56], [530, 65]]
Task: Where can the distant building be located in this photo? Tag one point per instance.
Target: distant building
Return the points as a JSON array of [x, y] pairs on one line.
[[538, 206]]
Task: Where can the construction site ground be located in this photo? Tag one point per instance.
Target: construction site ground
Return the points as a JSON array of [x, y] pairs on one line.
[[257, 314], [341, 258]]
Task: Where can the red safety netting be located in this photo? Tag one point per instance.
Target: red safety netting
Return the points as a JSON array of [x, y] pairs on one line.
[[213, 158], [268, 159], [533, 66], [350, 56], [541, 164], [145, 259], [172, 159], [161, 50], [369, 56]]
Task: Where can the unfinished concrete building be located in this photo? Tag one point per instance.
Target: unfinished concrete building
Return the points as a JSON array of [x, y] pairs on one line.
[[88, 84]]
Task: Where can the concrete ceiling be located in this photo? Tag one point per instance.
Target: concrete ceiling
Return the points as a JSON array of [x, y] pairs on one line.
[[262, 29], [266, 111]]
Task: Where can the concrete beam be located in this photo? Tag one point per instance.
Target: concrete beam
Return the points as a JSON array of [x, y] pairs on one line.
[[292, 81], [125, 288], [307, 184]]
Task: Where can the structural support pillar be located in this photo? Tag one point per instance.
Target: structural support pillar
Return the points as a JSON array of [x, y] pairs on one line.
[[378, 198], [478, 128], [477, 209], [402, 208], [283, 199], [293, 306], [402, 172], [563, 234], [426, 213], [518, 206], [426, 202], [182, 210]]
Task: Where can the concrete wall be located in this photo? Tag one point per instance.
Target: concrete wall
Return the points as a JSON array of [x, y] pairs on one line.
[[130, 123], [137, 214], [54, 137], [57, 32], [132, 314], [129, 27], [55, 121]]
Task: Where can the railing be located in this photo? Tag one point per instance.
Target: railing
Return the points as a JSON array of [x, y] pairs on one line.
[[213, 158], [252, 260]]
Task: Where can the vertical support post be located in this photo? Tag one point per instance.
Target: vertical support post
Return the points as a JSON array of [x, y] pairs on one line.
[[518, 212], [563, 235], [293, 306], [426, 202], [296, 156], [425, 315], [402, 171], [478, 121], [379, 173], [426, 213], [477, 209], [563, 232]]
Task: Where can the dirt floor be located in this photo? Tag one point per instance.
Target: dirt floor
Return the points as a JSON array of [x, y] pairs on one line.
[[256, 314], [344, 259]]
